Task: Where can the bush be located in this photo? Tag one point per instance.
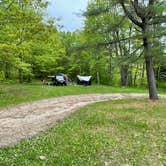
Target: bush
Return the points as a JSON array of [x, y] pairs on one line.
[[2, 76]]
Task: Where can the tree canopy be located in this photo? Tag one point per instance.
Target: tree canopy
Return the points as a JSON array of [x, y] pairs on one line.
[[122, 43]]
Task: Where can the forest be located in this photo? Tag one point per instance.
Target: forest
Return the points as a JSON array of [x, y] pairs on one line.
[[119, 44], [118, 120]]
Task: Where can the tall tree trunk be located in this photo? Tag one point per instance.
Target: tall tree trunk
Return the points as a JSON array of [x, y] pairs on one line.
[[130, 76], [98, 78], [111, 68], [20, 72], [124, 74], [130, 66], [123, 67], [135, 75], [149, 65], [158, 75], [20, 76], [142, 75], [6, 70], [98, 69]]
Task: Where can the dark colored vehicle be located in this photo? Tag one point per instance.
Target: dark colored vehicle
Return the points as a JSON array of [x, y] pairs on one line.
[[60, 80], [84, 80]]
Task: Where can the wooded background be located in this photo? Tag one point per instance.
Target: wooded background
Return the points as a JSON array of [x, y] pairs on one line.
[[120, 42]]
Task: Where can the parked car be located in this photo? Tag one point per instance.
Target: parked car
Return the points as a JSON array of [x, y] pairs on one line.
[[60, 80]]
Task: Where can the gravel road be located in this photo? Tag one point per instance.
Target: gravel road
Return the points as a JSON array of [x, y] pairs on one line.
[[28, 119]]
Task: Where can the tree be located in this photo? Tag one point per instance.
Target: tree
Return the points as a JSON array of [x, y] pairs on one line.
[[106, 26], [21, 22], [29, 42], [144, 15], [48, 52]]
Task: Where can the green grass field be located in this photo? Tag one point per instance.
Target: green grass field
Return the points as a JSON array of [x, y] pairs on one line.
[[14, 94], [124, 132]]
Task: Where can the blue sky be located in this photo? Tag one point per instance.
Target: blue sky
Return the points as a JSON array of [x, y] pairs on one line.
[[66, 10]]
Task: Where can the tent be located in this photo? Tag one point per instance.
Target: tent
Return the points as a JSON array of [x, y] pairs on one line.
[[84, 80]]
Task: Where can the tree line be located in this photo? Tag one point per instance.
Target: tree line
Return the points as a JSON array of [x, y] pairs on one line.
[[133, 32], [122, 43], [30, 44]]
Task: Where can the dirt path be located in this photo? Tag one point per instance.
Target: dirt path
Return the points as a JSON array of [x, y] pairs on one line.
[[26, 120]]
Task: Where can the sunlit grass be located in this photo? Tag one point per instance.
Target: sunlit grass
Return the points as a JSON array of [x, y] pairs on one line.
[[125, 132], [13, 94]]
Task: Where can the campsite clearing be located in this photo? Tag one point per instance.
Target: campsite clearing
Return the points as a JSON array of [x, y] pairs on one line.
[[119, 132], [26, 120]]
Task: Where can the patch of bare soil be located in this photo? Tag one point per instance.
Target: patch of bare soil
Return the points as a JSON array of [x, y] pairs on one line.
[[26, 120]]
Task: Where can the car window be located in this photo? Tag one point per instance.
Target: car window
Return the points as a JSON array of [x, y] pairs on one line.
[[59, 78]]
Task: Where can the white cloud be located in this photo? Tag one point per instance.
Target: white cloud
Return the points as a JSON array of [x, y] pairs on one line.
[[67, 9]]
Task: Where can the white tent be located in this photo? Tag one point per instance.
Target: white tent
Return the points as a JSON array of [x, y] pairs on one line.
[[84, 78]]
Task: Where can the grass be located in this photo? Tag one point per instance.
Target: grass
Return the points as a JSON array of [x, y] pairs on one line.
[[108, 133], [124, 132], [16, 93]]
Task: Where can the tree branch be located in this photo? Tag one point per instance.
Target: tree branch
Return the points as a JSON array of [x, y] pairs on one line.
[[138, 9], [129, 15], [151, 2], [9, 5], [158, 20], [130, 56], [103, 43]]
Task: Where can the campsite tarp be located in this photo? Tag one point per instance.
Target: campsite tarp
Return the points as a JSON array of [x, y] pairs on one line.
[[84, 80]]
